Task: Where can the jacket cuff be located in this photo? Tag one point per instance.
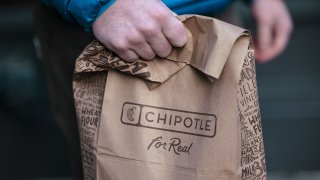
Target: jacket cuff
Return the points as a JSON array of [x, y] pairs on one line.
[[105, 7], [85, 12]]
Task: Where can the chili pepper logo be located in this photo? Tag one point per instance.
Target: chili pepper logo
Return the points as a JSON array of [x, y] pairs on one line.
[[130, 113]]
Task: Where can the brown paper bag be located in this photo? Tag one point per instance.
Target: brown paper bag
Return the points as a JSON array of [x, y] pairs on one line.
[[192, 115]]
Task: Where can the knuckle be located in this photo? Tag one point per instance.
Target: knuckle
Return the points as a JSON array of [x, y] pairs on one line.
[[129, 57], [149, 56], [135, 39], [179, 41], [120, 45], [147, 53], [176, 33], [183, 38], [149, 29], [165, 51], [160, 15]]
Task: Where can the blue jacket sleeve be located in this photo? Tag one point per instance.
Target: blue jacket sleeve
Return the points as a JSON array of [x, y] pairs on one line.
[[82, 12]]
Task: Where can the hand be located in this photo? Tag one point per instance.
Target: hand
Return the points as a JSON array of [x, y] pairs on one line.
[[139, 28], [274, 26]]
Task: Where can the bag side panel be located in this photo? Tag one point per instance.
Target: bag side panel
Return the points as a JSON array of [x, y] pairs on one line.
[[252, 157], [88, 91]]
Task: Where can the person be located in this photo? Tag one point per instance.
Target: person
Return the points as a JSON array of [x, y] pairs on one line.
[[132, 29], [145, 28]]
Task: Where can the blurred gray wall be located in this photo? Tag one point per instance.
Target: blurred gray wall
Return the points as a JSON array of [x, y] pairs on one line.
[[31, 144], [289, 89]]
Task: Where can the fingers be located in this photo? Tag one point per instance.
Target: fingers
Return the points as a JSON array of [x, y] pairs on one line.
[[282, 33], [160, 44], [128, 55], [280, 41], [175, 32], [144, 51], [122, 50], [132, 34], [140, 46], [265, 34], [274, 26], [148, 41], [135, 46], [264, 48], [278, 36], [264, 30], [267, 49], [162, 39]]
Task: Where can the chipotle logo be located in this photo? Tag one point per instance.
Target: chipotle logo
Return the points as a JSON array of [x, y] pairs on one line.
[[166, 119]]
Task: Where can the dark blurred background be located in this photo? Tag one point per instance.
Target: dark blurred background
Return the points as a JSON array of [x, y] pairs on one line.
[[33, 147], [31, 144]]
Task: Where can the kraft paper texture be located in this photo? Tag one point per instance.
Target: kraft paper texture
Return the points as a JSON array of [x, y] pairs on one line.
[[193, 115]]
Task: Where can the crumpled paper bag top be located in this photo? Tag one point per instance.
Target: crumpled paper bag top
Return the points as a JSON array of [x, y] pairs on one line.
[[208, 55]]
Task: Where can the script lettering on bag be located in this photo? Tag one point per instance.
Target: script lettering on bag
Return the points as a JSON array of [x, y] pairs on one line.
[[175, 145], [166, 119]]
